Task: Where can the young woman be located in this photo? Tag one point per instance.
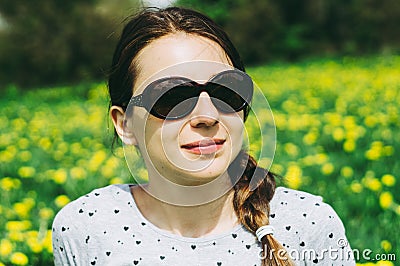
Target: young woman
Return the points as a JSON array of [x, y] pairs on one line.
[[180, 95]]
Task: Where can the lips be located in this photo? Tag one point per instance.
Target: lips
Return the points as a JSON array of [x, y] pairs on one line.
[[204, 146]]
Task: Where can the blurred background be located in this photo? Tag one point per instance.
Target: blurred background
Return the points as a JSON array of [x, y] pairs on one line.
[[50, 42], [329, 69]]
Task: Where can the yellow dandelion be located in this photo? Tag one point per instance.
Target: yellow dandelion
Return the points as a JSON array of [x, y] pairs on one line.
[[25, 156], [356, 187], [388, 151], [372, 183], [385, 200], [58, 155], [76, 148], [372, 154], [291, 149], [61, 201], [293, 176], [34, 244], [365, 264], [307, 160], [16, 236], [116, 180], [338, 134], [6, 247], [370, 121], [10, 153], [143, 174], [46, 213], [8, 183], [388, 180], [47, 242], [60, 176], [327, 168], [119, 152], [113, 162], [32, 233], [107, 171], [23, 143], [30, 201], [26, 171], [19, 258], [18, 225], [45, 143], [386, 245], [22, 209], [347, 171], [62, 147], [6, 156], [387, 134], [375, 152], [277, 168], [19, 124], [265, 162], [384, 263], [78, 173], [349, 145], [97, 160], [310, 138], [321, 158], [334, 118], [349, 122]]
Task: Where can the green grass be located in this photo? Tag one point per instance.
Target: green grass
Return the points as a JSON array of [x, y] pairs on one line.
[[337, 136]]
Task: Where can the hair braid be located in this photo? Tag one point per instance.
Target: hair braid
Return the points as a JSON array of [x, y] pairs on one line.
[[252, 205]]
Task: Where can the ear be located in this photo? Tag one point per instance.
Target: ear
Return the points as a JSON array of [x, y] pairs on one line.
[[124, 132]]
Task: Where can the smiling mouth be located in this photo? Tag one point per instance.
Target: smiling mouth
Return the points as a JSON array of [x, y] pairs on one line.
[[204, 146]]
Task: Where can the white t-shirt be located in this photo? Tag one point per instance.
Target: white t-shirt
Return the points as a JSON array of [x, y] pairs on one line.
[[105, 227]]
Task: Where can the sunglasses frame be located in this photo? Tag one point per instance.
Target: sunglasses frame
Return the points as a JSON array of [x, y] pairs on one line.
[[145, 98]]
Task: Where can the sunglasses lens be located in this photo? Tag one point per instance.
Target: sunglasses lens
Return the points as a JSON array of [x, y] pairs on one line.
[[173, 98], [234, 88], [225, 99], [176, 102]]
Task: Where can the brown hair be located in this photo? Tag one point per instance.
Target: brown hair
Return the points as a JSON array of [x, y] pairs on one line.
[[251, 206]]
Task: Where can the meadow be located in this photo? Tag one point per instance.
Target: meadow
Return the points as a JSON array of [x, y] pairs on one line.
[[338, 126]]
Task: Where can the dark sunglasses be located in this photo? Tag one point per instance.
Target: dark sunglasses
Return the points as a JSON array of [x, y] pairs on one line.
[[175, 97]]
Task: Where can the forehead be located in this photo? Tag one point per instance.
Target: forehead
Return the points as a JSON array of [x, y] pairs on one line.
[[180, 54]]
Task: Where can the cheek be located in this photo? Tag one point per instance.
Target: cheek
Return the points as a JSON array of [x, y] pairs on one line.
[[160, 134], [235, 127]]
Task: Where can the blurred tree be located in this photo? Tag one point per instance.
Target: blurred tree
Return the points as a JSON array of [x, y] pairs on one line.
[[290, 29], [55, 41]]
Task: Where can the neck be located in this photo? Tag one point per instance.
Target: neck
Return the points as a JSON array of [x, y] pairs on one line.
[[211, 218]]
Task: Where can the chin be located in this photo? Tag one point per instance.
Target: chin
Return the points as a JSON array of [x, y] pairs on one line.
[[206, 175]]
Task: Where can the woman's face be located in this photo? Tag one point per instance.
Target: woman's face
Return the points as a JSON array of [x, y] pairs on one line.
[[198, 148]]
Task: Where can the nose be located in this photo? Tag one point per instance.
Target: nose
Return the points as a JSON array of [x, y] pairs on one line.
[[204, 114]]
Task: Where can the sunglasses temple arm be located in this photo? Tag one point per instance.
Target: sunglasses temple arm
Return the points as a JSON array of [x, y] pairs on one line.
[[137, 100]]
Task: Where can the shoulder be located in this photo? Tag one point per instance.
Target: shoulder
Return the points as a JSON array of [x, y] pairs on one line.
[[301, 207], [80, 221], [92, 208], [89, 204], [286, 195], [307, 223], [93, 198]]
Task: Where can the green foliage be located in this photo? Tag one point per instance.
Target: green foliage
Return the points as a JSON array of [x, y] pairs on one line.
[[290, 30], [337, 127], [57, 41]]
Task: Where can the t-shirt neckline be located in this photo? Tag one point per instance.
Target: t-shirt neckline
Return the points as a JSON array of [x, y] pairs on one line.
[[161, 232]]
